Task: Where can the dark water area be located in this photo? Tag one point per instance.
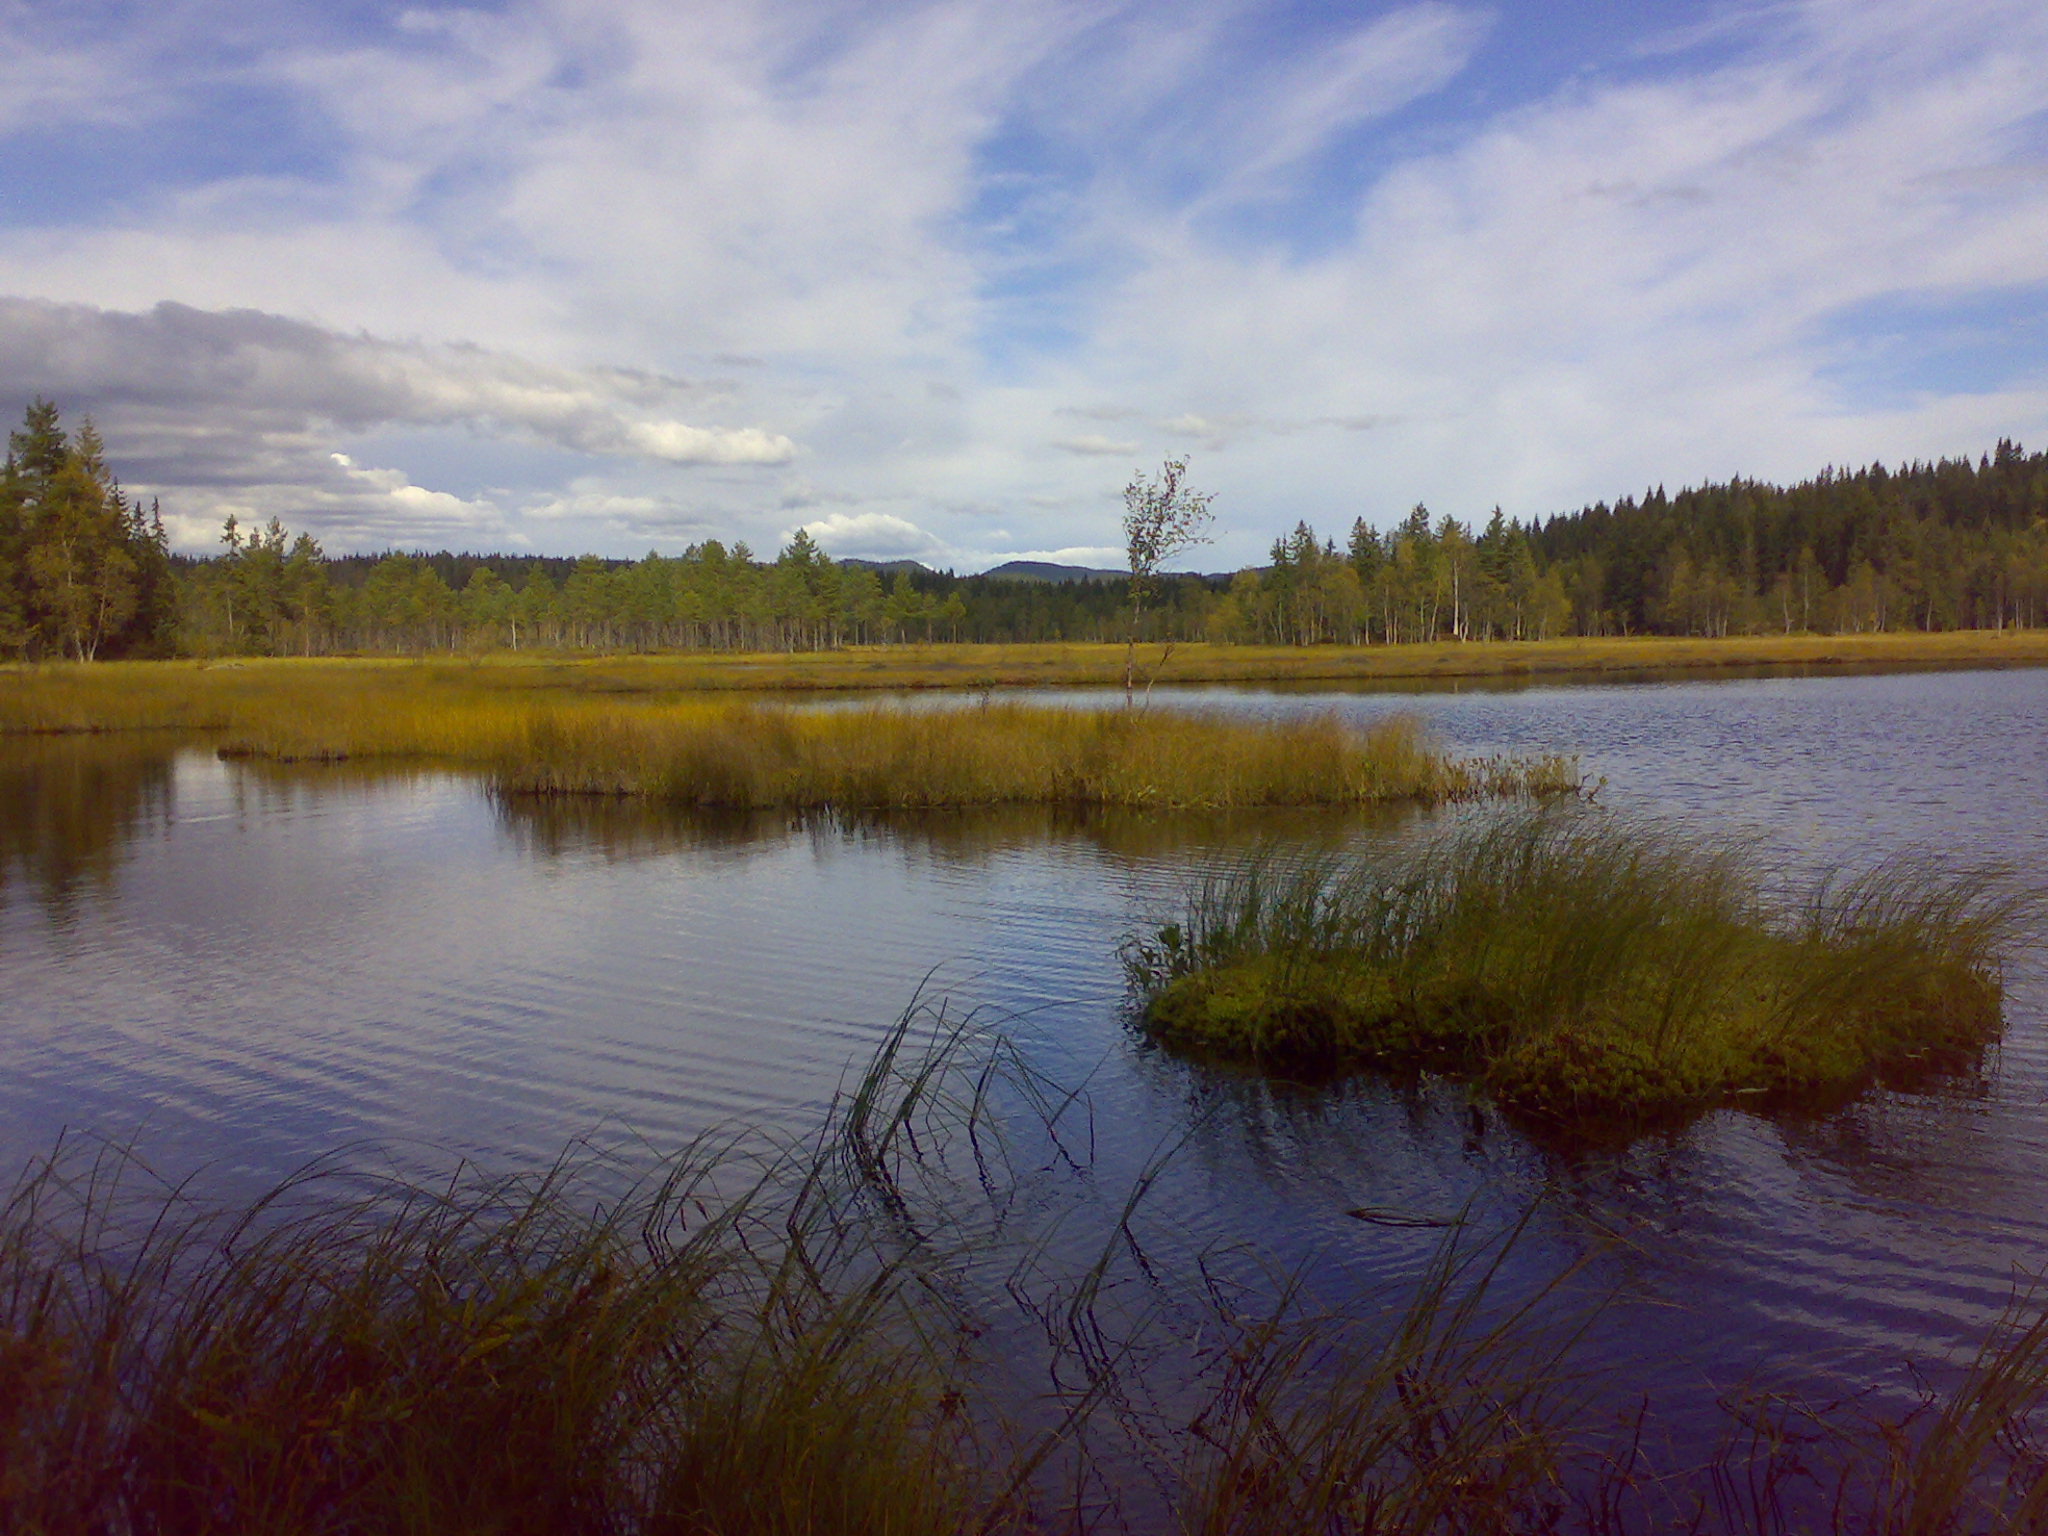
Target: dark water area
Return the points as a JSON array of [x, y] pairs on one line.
[[239, 968]]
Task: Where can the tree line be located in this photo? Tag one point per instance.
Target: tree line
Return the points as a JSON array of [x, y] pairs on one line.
[[1954, 544], [1947, 545]]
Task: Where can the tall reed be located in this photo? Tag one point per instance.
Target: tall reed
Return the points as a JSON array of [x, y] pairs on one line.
[[770, 1339], [703, 1350], [1586, 967]]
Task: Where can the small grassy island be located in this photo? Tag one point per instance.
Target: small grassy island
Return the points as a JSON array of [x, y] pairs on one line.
[[537, 734], [1586, 970]]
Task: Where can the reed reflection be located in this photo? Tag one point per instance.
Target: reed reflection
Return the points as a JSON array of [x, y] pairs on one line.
[[621, 829]]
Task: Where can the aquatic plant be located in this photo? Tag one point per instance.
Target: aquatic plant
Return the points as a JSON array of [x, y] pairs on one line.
[[763, 1338], [1586, 967], [709, 1348]]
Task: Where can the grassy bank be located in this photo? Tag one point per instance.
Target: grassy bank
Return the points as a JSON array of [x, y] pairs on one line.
[[121, 694], [752, 1341], [737, 752], [1584, 969]]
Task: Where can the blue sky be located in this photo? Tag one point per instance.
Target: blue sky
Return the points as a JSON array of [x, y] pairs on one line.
[[936, 279]]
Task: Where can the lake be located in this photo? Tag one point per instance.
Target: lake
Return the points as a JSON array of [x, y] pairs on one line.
[[238, 968]]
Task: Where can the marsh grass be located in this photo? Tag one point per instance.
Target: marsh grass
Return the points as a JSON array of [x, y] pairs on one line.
[[763, 1338], [1456, 1419], [732, 753], [1587, 969], [890, 759], [126, 695], [736, 1343], [1976, 1458]]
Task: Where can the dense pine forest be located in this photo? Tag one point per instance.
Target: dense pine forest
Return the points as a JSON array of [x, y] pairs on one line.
[[85, 573]]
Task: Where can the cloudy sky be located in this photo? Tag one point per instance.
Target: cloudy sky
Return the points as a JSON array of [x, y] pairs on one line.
[[935, 279]]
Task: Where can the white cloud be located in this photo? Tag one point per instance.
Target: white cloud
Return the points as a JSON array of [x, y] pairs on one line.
[[873, 535], [597, 506], [414, 503], [1095, 445], [347, 506], [1380, 68], [211, 364], [675, 443], [1635, 276], [241, 410]]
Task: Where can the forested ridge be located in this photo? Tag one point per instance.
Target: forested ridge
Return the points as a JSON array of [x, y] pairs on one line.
[[1955, 544]]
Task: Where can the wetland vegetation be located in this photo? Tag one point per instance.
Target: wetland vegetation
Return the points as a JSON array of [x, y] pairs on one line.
[[57, 696], [533, 738], [848, 1333], [1587, 969], [764, 1338]]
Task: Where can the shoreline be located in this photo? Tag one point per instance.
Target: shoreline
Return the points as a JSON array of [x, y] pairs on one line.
[[971, 667]]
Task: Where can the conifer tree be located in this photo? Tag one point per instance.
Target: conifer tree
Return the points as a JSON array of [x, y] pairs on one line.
[[85, 570]]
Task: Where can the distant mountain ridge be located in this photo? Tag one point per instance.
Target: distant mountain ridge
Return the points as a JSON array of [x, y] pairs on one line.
[[889, 567], [1046, 570]]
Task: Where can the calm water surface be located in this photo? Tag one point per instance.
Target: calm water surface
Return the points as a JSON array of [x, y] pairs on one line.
[[241, 968]]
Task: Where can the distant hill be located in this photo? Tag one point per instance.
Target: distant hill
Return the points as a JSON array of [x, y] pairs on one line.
[[890, 567], [1046, 570]]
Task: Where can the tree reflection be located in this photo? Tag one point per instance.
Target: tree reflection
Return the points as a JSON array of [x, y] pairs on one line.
[[70, 808]]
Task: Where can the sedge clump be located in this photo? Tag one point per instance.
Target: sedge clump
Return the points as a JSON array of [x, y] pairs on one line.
[[1586, 968]]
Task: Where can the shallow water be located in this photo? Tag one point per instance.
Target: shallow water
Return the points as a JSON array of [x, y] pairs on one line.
[[239, 968]]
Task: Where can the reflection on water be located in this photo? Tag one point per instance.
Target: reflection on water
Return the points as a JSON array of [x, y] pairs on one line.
[[246, 966], [559, 826], [70, 807]]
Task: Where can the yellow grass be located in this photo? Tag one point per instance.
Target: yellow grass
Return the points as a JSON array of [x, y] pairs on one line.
[[877, 759], [119, 695], [740, 751]]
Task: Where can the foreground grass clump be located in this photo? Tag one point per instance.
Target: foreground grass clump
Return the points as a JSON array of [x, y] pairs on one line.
[[706, 1351], [1586, 968], [749, 1342], [743, 1344]]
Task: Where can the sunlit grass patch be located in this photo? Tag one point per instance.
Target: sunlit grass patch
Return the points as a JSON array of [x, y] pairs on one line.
[[890, 759], [738, 751], [210, 695], [1585, 968]]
